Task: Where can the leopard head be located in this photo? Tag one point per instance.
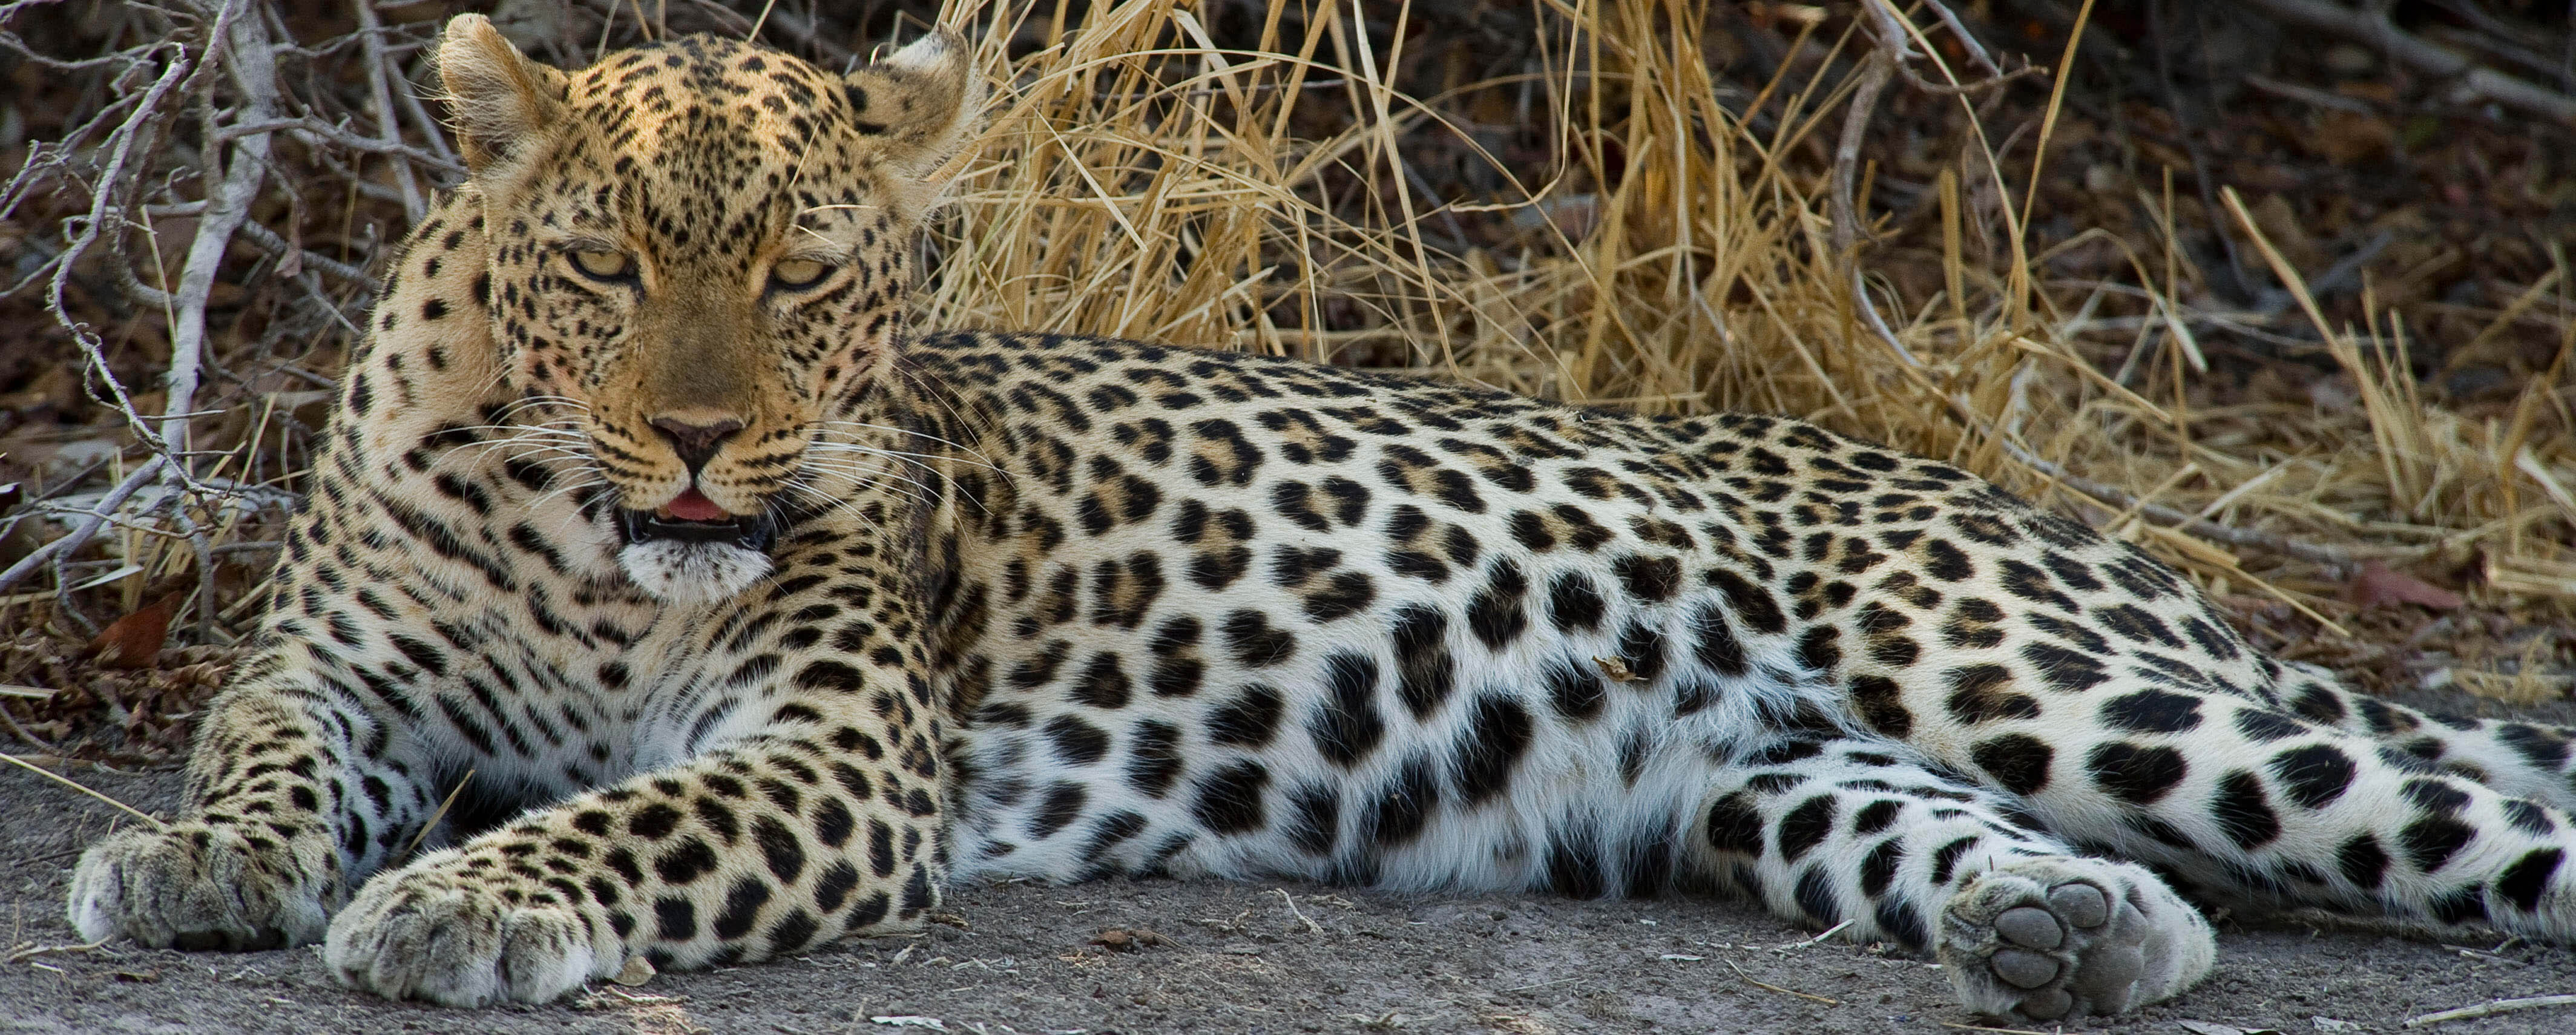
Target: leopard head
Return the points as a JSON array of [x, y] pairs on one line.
[[697, 249]]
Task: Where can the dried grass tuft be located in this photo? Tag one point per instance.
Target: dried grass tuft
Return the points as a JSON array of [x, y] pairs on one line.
[[1561, 200], [1135, 181]]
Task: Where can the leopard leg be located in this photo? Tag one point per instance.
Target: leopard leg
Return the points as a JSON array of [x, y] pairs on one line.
[[2523, 759], [842, 845], [300, 783], [2254, 806], [1871, 833], [815, 813]]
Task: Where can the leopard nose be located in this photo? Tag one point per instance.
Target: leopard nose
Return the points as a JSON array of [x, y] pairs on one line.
[[696, 440]]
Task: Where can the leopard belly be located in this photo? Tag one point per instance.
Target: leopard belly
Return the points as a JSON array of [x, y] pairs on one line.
[[1337, 654], [1406, 751]]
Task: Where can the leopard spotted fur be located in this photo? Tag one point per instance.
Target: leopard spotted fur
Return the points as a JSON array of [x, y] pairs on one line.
[[748, 617]]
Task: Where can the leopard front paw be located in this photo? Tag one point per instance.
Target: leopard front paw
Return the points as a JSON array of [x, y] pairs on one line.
[[2046, 939], [440, 931], [194, 885]]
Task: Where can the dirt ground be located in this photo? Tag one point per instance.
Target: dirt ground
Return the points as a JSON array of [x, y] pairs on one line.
[[1235, 957]]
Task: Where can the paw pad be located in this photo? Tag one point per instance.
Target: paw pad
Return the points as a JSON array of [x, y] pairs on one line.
[[2081, 905], [2024, 969], [2031, 928], [2046, 939]]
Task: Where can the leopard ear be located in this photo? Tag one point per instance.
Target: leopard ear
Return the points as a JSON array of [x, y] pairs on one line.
[[921, 100], [498, 98]]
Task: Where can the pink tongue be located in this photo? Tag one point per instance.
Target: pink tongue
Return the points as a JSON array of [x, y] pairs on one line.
[[695, 506]]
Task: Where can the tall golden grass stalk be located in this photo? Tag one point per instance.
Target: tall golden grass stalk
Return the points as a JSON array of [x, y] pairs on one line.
[[1134, 180], [1670, 249]]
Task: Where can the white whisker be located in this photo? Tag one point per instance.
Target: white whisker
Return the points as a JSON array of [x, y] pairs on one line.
[[958, 451], [919, 460], [597, 477], [844, 505], [866, 477]]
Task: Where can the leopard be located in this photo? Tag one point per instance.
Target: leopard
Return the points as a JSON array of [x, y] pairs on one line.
[[662, 592]]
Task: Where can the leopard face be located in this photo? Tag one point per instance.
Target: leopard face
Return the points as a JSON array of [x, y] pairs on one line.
[[696, 251]]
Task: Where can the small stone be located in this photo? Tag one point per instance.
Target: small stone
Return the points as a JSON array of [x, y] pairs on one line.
[[637, 970]]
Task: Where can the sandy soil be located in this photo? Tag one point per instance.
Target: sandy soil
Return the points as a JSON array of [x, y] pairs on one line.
[[1236, 957]]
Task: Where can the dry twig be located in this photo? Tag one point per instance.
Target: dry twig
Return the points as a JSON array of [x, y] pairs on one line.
[[84, 789], [1749, 979], [2491, 1009], [1300, 914], [28, 952]]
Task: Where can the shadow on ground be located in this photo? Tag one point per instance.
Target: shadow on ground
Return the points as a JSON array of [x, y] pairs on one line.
[[1236, 957]]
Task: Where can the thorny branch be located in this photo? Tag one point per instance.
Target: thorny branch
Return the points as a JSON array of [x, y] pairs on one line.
[[190, 130], [108, 219]]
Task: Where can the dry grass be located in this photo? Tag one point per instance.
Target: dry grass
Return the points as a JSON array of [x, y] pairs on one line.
[[1608, 223], [1135, 183]]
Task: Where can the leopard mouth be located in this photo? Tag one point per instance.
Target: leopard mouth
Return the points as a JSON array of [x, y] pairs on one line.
[[692, 518]]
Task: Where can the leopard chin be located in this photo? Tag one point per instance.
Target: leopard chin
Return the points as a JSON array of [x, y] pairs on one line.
[[692, 573]]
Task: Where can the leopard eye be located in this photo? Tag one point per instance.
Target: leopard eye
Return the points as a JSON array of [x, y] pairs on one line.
[[605, 265], [797, 273]]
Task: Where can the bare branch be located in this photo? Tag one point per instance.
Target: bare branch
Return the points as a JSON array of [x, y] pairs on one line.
[[2370, 25], [79, 536], [247, 56], [1874, 74], [1895, 38], [316, 130], [388, 131], [131, 138], [268, 241], [430, 129]]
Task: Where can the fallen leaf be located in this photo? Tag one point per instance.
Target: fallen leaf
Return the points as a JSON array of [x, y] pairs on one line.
[[1518, 1024], [1618, 671], [139, 977], [134, 641], [291, 264], [1121, 939], [2346, 137], [2379, 584]]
